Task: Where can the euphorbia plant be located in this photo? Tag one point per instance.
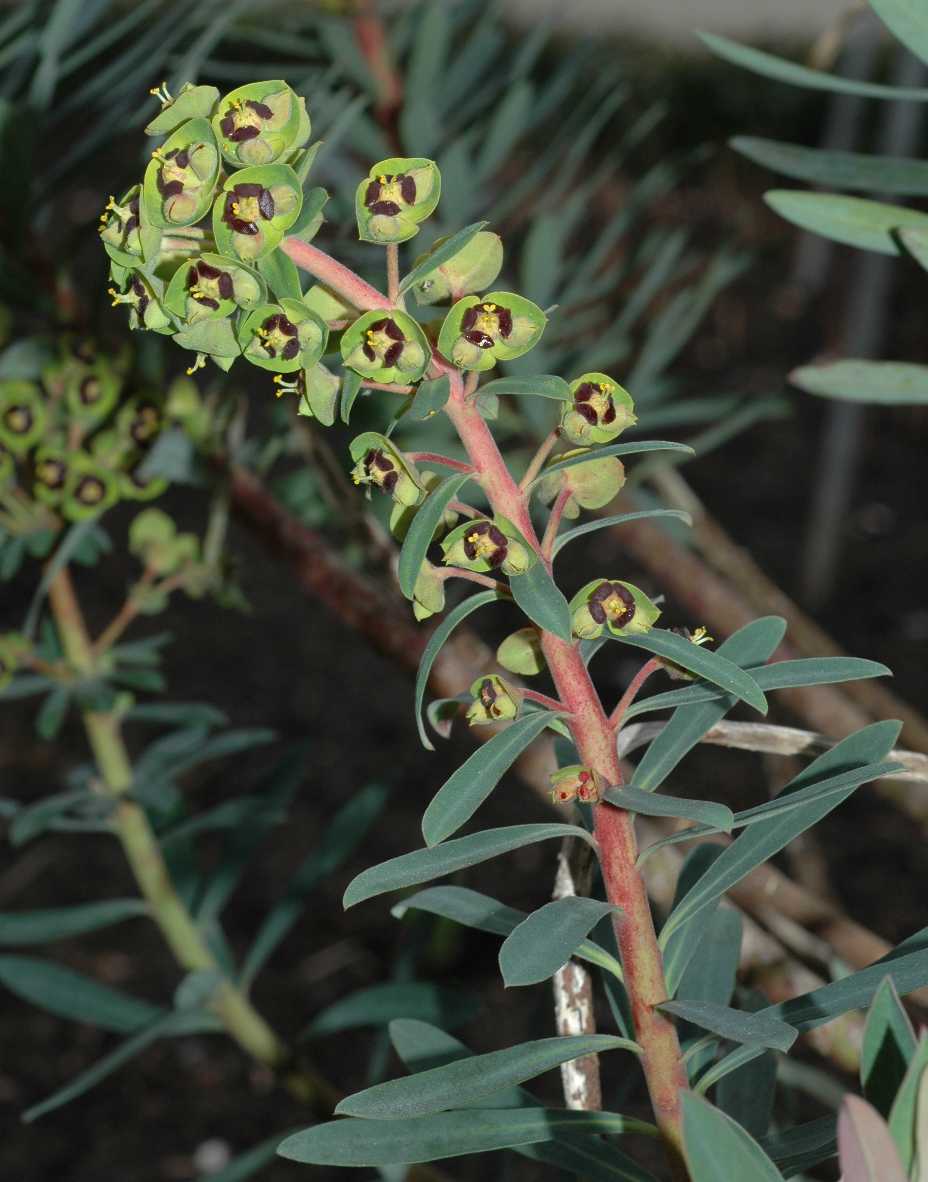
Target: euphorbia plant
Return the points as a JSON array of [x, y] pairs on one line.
[[475, 520]]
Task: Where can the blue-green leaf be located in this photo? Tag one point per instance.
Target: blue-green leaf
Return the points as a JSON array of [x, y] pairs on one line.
[[803, 1146], [734, 1025], [618, 519], [544, 941], [907, 20], [613, 449], [429, 398], [718, 1150], [381, 1004], [638, 800], [888, 1045], [690, 940], [544, 385], [903, 1114], [882, 383], [467, 788], [451, 856], [422, 529], [440, 255], [58, 923], [539, 597], [855, 221], [838, 170], [67, 994], [351, 388]]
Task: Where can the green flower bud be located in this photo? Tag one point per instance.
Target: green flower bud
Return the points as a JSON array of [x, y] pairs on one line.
[[473, 268], [90, 488], [611, 604], [191, 102], [260, 122], [142, 295], [91, 391], [212, 286], [22, 415], [494, 701], [386, 347], [576, 783], [598, 411], [150, 535], [254, 210], [283, 337], [479, 332], [592, 484], [428, 597], [395, 197], [483, 545], [126, 232], [379, 463], [50, 474], [181, 176], [521, 653]]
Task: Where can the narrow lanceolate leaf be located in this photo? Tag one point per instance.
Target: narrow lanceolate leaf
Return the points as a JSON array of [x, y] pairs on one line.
[[67, 994], [888, 1046], [866, 1147], [734, 1025], [904, 1112], [544, 385], [638, 800], [422, 530], [782, 70], [689, 942], [451, 856], [429, 398], [434, 646], [548, 938], [883, 383], [481, 1075], [39, 927], [803, 1146], [854, 221], [748, 1095], [718, 1150], [466, 790], [838, 170], [440, 255], [709, 665], [763, 840], [618, 519], [381, 1004], [447, 1134], [908, 20], [614, 449], [538, 596], [779, 675]]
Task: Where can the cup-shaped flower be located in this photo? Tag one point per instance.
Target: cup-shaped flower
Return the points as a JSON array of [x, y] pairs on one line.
[[127, 235], [521, 653], [474, 267], [379, 464], [91, 391], [386, 347], [576, 782], [212, 286], [597, 411], [259, 123], [143, 297], [283, 337], [23, 415], [480, 331], [181, 176], [611, 605], [90, 488], [190, 102], [592, 484], [395, 197], [428, 596], [50, 474], [254, 210], [494, 701], [483, 545], [140, 420]]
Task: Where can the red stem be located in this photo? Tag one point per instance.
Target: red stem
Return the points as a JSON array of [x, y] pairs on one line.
[[542, 700], [433, 457], [634, 688], [334, 275]]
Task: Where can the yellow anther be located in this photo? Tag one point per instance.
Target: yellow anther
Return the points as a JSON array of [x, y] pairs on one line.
[[198, 364], [383, 180], [489, 307], [701, 635], [235, 208]]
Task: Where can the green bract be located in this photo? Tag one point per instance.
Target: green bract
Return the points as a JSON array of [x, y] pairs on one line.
[[143, 295], [318, 391], [89, 489], [181, 176], [598, 410], [191, 102], [22, 415], [126, 231], [521, 653], [474, 267], [480, 331], [591, 485], [283, 337], [611, 604], [395, 197], [378, 462], [255, 209], [386, 347], [483, 545], [260, 122], [401, 516], [212, 286], [494, 701], [428, 597]]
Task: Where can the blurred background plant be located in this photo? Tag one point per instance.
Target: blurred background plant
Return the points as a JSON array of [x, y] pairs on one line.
[[583, 158]]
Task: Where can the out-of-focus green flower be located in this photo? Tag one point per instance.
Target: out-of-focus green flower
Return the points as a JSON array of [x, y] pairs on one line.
[[23, 415], [90, 488]]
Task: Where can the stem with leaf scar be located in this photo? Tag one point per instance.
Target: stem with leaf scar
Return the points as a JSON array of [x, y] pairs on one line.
[[233, 1008], [593, 736]]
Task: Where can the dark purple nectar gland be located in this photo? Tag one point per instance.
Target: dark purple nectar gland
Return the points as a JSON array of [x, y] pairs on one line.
[[486, 542], [484, 324], [384, 340], [386, 195], [246, 206], [380, 470], [208, 284], [593, 402], [279, 337], [612, 603], [488, 697], [136, 296], [243, 120], [18, 419]]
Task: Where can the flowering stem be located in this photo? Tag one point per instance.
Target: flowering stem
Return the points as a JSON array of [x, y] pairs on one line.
[[544, 450], [472, 576], [542, 700], [463, 509], [334, 275], [433, 457], [634, 686], [390, 389], [554, 521], [393, 274]]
